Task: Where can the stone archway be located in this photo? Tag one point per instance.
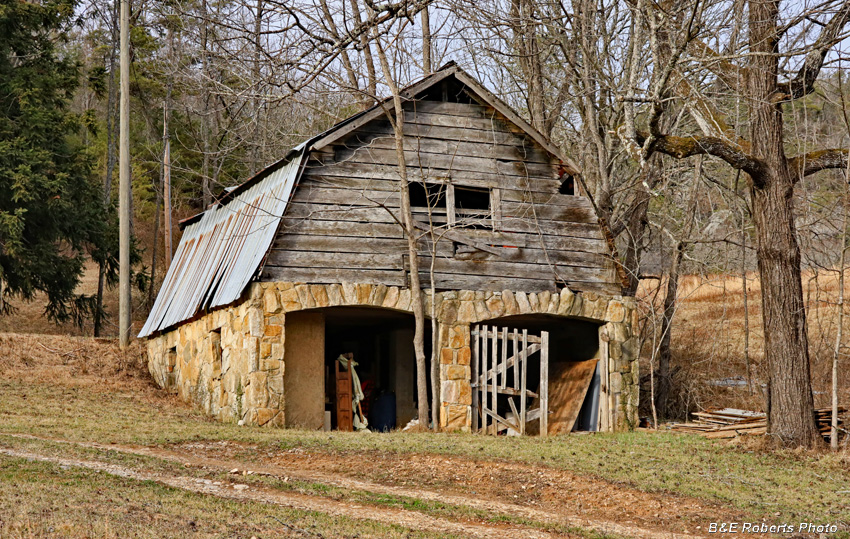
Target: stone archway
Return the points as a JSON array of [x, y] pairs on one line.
[[230, 362]]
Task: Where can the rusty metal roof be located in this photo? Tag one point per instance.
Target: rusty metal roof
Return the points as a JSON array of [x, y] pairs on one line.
[[220, 252]]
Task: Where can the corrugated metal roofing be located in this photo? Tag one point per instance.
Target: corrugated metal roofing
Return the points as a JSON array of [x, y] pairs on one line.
[[220, 253]]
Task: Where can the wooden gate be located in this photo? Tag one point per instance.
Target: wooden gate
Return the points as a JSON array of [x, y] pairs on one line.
[[500, 360]]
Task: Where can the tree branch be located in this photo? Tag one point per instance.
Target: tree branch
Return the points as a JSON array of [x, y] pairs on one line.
[[804, 82], [722, 66], [681, 147], [809, 163]]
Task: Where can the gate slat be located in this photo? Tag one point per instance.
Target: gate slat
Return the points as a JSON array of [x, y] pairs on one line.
[[516, 364], [484, 407], [544, 383], [514, 410], [494, 358], [500, 424], [474, 364], [523, 359], [504, 339]]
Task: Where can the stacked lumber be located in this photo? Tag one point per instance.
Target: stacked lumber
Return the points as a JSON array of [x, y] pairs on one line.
[[724, 423], [732, 422], [823, 416]]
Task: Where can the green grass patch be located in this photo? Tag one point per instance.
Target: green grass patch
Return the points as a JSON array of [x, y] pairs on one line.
[[159, 465]]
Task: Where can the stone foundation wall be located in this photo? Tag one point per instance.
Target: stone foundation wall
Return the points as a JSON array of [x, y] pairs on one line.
[[227, 363], [244, 381]]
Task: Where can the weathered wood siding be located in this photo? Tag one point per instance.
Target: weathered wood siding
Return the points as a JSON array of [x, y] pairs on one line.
[[341, 223]]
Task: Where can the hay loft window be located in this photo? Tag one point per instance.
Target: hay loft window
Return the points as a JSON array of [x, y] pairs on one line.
[[458, 206], [429, 197], [568, 185], [474, 207]]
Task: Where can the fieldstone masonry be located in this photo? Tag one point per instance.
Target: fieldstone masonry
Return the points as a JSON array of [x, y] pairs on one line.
[[231, 362]]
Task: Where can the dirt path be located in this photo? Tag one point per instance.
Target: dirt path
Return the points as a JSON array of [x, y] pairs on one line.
[[486, 486], [241, 491]]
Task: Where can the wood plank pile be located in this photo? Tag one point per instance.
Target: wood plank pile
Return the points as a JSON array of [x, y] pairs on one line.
[[724, 423], [732, 422], [823, 416]]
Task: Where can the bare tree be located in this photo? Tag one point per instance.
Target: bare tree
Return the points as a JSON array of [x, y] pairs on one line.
[[662, 393], [111, 150], [772, 177], [396, 118], [839, 334]]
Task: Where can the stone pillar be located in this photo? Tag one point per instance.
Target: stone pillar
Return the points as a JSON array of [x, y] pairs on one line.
[[455, 377], [620, 344]]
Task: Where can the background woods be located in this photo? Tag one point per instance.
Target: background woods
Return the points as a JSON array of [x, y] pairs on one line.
[[711, 135]]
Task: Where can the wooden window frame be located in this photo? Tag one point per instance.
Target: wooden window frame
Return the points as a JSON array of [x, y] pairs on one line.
[[453, 221], [495, 205], [423, 210]]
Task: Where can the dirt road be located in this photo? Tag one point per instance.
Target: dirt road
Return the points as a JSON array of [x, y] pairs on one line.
[[489, 499]]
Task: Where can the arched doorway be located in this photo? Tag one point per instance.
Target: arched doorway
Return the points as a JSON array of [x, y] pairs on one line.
[[379, 340], [554, 373]]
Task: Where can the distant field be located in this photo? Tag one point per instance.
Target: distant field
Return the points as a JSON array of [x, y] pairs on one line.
[[708, 338], [29, 315]]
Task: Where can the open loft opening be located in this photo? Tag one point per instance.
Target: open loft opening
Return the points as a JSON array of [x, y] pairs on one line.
[[449, 90], [574, 373], [429, 198], [319, 387], [568, 185]]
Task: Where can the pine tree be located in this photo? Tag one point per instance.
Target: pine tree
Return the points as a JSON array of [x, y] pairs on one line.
[[51, 210]]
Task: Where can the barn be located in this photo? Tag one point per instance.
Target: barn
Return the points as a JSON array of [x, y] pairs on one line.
[[305, 266]]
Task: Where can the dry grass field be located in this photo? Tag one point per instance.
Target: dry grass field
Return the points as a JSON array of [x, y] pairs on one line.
[[90, 448], [28, 316], [708, 338]]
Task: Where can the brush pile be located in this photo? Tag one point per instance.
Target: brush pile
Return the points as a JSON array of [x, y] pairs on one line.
[[731, 422]]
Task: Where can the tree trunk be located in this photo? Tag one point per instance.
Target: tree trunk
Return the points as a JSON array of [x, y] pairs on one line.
[[166, 197], [159, 189], [256, 72], [371, 76], [426, 42], [789, 402], [790, 405], [635, 229], [415, 287], [528, 49], [416, 303], [839, 336], [662, 391], [746, 303], [435, 338], [206, 196], [166, 158]]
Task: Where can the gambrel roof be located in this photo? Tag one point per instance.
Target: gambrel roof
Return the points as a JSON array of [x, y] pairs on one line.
[[223, 248]]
